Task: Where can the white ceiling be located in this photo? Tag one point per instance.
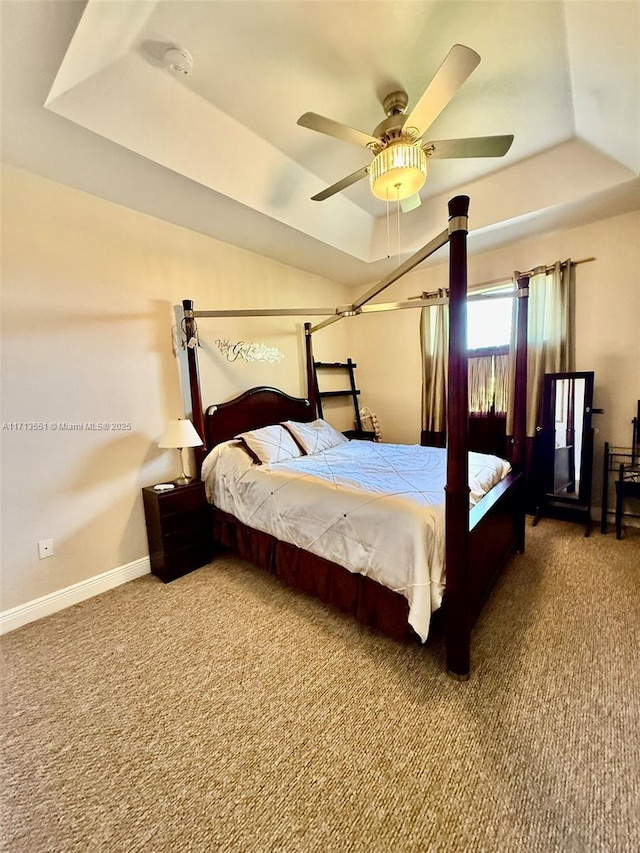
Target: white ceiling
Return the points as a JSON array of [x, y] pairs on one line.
[[86, 101]]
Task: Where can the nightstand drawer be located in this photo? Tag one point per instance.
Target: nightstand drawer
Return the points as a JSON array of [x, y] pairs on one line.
[[188, 534], [178, 521], [182, 500], [174, 564]]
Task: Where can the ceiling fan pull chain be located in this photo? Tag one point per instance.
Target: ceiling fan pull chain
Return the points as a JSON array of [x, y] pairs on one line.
[[388, 229], [398, 219]]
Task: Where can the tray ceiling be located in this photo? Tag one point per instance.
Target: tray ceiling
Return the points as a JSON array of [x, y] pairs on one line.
[[219, 150]]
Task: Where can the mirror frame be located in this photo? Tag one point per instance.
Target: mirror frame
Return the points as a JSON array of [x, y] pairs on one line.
[[547, 439]]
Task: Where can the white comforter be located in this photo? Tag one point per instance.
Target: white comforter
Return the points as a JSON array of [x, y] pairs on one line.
[[376, 509]]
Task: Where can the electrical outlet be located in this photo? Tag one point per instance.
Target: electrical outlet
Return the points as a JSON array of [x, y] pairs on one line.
[[45, 548]]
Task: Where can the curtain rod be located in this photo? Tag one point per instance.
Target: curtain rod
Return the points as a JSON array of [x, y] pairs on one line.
[[526, 272], [506, 279], [336, 314]]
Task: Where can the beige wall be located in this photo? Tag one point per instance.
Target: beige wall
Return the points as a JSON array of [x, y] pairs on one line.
[[89, 290], [88, 296], [607, 327]]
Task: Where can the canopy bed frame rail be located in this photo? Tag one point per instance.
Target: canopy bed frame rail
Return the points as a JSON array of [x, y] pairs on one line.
[[478, 543]]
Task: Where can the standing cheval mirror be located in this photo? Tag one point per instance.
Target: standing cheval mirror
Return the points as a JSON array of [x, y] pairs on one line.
[[565, 448]]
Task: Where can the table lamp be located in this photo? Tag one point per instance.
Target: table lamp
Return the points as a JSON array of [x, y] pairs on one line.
[[180, 433]]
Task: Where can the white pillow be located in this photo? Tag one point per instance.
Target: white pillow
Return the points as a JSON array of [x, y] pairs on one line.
[[316, 436], [270, 444]]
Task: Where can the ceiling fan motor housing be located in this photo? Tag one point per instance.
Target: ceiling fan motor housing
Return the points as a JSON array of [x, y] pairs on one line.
[[395, 102]]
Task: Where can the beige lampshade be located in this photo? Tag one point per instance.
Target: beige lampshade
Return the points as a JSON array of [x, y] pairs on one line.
[[398, 171], [180, 433]]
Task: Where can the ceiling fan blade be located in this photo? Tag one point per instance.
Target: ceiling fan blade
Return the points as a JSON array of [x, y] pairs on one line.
[[477, 146], [409, 204], [333, 128], [341, 185], [454, 70]]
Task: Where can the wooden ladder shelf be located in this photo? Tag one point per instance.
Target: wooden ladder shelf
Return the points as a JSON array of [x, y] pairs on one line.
[[353, 391]]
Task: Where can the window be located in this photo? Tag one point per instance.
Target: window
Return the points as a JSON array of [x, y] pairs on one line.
[[488, 340], [489, 322]]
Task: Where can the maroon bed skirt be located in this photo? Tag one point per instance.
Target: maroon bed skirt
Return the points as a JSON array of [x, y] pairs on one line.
[[368, 601]]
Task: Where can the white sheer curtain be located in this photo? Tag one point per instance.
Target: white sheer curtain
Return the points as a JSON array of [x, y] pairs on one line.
[[550, 334], [501, 393], [434, 337], [481, 384], [488, 383]]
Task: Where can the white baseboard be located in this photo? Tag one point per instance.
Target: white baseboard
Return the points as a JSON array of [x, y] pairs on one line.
[[16, 617]]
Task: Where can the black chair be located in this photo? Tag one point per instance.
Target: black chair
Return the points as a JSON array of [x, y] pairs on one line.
[[628, 482]]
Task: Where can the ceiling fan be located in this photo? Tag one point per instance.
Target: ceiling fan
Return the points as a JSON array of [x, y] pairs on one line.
[[399, 167]]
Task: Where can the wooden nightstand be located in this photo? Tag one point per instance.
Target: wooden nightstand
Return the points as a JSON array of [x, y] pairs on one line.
[[179, 529]]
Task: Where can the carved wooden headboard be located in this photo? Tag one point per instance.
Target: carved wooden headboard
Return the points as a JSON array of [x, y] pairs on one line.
[[255, 408]]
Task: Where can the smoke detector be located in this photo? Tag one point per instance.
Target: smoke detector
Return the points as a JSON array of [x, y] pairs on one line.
[[178, 61]]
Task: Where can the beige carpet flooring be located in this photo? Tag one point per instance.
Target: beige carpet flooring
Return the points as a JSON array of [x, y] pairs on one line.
[[224, 712]]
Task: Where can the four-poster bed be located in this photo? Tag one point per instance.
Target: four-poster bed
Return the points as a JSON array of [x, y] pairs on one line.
[[477, 542]]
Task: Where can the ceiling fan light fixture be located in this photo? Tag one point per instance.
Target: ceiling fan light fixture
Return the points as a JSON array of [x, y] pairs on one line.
[[398, 171]]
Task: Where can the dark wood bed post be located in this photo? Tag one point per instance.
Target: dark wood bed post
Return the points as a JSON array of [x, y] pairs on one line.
[[311, 376], [457, 610], [197, 415]]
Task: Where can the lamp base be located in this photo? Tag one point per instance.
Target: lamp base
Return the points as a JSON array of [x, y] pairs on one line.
[[182, 480]]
